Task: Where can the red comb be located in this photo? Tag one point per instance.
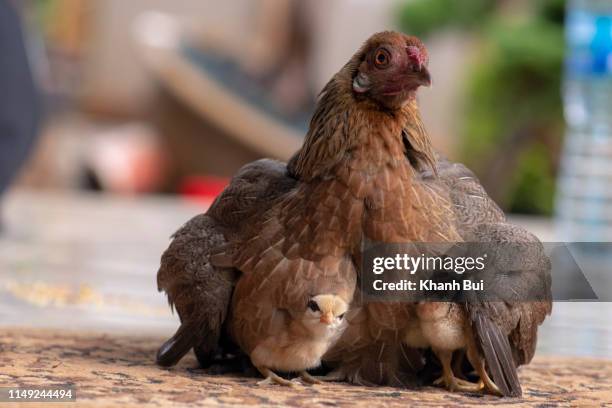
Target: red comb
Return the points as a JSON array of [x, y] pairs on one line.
[[415, 55]]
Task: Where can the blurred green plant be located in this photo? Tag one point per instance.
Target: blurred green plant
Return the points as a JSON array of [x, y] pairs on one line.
[[511, 133], [424, 16]]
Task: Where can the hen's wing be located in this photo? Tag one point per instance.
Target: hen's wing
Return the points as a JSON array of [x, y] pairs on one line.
[[198, 289], [521, 282], [505, 331], [471, 203]]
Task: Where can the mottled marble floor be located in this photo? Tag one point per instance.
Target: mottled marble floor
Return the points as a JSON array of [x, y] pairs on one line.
[[119, 371]]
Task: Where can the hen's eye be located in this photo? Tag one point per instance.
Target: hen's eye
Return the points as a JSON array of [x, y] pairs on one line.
[[341, 316], [312, 305], [381, 58]]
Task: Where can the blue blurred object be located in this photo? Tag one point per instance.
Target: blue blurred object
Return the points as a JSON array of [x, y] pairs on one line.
[[19, 103], [584, 201]]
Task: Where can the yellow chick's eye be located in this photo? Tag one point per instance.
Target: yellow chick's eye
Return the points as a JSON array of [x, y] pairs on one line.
[[312, 305], [381, 58]]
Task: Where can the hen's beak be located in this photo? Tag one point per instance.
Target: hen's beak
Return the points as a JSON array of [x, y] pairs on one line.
[[424, 76], [327, 318]]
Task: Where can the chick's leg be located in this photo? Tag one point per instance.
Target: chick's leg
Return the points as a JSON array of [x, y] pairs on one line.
[[460, 355], [479, 365], [273, 378], [448, 378]]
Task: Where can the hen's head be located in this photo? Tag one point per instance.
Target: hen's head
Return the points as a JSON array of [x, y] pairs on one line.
[[391, 66]]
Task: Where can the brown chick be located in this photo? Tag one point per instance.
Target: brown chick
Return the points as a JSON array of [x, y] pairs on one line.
[[289, 324], [445, 328]]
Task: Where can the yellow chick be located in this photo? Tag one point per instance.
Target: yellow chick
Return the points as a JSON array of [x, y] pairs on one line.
[[289, 324]]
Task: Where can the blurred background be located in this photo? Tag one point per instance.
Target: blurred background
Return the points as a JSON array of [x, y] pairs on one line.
[[152, 97], [139, 111]]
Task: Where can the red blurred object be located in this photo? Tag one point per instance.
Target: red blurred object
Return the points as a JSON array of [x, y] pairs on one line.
[[202, 188]]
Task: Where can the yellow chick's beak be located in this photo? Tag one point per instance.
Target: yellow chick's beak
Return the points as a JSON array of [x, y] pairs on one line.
[[327, 318]]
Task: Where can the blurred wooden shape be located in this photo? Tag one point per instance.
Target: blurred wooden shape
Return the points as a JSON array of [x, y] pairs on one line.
[[240, 120]]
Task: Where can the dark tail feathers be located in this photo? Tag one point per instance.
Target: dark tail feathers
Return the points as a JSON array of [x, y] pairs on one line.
[[498, 356], [177, 346]]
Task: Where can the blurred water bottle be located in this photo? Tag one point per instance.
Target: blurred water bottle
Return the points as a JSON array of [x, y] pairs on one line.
[[584, 200]]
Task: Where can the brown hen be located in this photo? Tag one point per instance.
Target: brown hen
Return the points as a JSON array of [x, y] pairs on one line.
[[366, 172]]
